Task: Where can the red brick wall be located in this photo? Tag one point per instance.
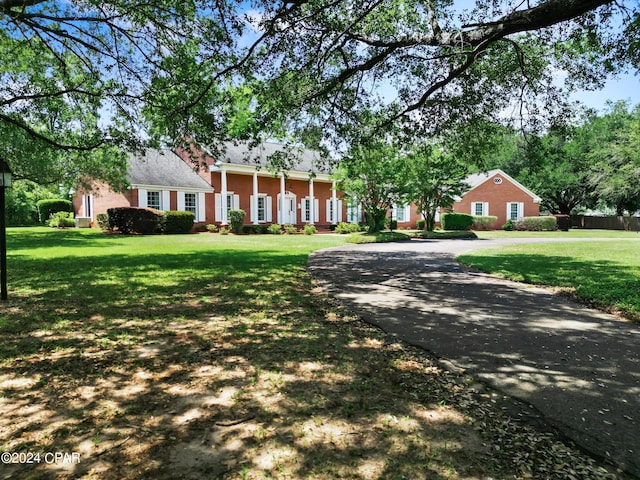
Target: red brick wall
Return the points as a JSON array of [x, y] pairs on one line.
[[497, 195]]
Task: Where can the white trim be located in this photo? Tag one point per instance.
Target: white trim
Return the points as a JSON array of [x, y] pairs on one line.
[[201, 207], [170, 188], [165, 200]]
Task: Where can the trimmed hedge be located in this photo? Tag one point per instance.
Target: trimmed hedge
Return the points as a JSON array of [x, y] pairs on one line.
[[177, 221], [483, 222], [536, 224], [236, 220], [456, 221], [134, 220], [344, 227], [103, 222], [49, 206]]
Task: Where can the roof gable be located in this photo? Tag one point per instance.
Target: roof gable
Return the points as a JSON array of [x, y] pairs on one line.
[[477, 179], [163, 168]]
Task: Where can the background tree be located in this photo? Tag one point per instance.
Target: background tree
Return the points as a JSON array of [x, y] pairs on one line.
[[434, 179], [614, 175]]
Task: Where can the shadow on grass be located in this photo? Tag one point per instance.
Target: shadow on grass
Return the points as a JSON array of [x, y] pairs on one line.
[[210, 364]]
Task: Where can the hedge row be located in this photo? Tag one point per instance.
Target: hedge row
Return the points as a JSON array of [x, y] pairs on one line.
[[49, 206], [148, 220]]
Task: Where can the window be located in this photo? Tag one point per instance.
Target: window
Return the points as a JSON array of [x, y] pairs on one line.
[[480, 209], [262, 209], [190, 203], [401, 213], [515, 210], [153, 199], [306, 210], [353, 213]]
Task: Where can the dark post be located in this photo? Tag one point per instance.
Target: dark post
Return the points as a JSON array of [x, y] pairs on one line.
[[5, 182]]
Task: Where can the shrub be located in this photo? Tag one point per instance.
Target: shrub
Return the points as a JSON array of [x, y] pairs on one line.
[[62, 220], [212, 228], [256, 229], [508, 226], [535, 224], [49, 206], [103, 222], [177, 222], [236, 220], [563, 222], [309, 230], [274, 229], [290, 229], [457, 221], [420, 224], [344, 227], [483, 222], [134, 220], [224, 231]]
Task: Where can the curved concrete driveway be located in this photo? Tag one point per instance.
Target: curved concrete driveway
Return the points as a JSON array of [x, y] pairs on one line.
[[579, 367]]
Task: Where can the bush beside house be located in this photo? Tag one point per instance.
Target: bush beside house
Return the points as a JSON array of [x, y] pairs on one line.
[[457, 221], [50, 206]]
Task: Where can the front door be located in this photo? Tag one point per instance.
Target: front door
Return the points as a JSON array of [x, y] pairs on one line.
[[289, 209]]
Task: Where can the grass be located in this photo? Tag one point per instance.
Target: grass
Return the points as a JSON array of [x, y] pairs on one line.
[[377, 237], [573, 233], [208, 356], [604, 274]]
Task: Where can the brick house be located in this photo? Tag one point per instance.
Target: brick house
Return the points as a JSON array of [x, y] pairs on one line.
[[158, 179], [304, 194], [494, 193], [168, 180]]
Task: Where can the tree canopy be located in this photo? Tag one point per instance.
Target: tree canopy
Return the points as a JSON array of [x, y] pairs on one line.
[[111, 75]]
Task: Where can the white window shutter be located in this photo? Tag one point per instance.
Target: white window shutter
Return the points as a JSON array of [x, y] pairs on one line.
[[316, 210], [269, 207], [339, 202], [253, 209], [520, 209], [485, 209], [236, 202], [181, 201], [201, 208], [166, 202], [394, 213], [217, 199], [327, 209], [142, 197]]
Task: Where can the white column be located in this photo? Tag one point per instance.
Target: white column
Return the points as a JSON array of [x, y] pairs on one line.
[[282, 202], [334, 202], [312, 213], [254, 206], [223, 196]]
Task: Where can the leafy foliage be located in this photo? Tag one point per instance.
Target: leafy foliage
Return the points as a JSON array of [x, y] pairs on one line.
[[134, 220], [47, 207], [434, 180], [457, 221], [236, 220], [62, 220], [177, 221], [372, 176]]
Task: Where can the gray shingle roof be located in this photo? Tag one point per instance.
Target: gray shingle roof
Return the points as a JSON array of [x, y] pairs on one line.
[[164, 168], [300, 159]]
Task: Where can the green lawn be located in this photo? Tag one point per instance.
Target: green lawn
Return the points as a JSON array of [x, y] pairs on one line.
[[573, 233], [210, 356], [603, 273]]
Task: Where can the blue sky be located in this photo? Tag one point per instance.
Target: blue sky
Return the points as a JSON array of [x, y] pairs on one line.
[[625, 87]]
